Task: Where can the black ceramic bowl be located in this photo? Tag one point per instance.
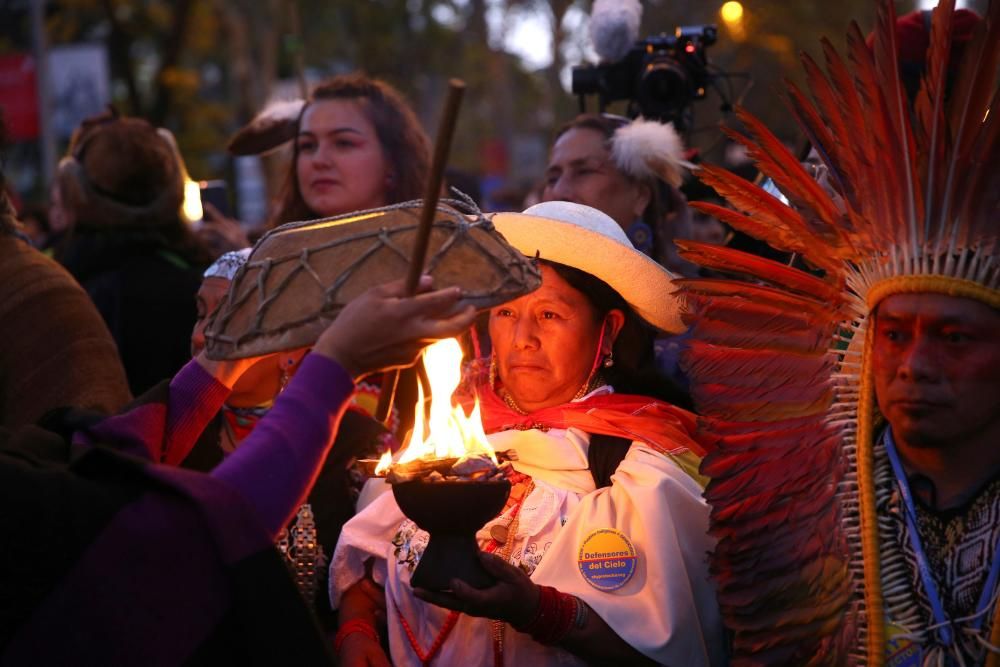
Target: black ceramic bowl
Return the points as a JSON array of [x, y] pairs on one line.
[[451, 512]]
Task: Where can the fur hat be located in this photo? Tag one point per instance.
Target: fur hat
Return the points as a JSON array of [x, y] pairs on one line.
[[122, 172]]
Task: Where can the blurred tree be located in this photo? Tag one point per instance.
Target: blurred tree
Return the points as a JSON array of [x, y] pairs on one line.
[[204, 67]]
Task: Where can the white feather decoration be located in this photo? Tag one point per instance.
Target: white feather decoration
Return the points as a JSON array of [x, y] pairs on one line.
[[614, 27], [646, 149]]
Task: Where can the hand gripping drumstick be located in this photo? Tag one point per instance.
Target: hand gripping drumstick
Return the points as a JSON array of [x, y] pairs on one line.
[[442, 146]]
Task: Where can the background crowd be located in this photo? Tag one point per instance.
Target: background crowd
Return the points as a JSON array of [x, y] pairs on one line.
[[113, 259]]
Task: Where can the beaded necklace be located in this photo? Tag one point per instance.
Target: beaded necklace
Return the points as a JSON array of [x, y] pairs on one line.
[[499, 628]]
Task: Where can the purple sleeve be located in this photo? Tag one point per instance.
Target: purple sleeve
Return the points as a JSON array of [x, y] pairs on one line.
[[275, 467], [195, 398], [163, 428]]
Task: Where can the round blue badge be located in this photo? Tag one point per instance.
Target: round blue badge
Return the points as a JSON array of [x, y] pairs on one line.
[[607, 559]]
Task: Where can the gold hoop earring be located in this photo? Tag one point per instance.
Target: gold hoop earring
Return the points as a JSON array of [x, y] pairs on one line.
[[609, 360]]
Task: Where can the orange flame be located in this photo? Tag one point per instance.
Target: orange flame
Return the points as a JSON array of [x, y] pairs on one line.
[[449, 432]]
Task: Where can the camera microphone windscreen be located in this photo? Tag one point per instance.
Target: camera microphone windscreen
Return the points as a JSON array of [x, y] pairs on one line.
[[614, 27]]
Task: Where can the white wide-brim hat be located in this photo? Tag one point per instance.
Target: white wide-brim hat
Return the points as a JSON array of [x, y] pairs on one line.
[[588, 240]]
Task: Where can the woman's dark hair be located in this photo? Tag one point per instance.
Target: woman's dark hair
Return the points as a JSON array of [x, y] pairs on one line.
[[634, 370], [404, 142], [659, 200]]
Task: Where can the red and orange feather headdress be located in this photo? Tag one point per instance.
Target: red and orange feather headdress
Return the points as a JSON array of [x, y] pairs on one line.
[[778, 363]]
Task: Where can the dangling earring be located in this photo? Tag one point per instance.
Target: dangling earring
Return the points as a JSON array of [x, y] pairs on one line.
[[609, 360], [284, 377], [493, 371]]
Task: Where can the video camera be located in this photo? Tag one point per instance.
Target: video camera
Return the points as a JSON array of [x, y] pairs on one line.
[[661, 76]]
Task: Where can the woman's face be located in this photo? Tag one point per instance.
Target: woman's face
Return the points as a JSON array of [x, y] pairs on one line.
[[580, 171], [260, 382], [341, 166], [210, 294], [546, 342]]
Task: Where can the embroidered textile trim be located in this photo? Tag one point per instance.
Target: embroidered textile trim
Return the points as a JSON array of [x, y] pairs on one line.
[[960, 552]]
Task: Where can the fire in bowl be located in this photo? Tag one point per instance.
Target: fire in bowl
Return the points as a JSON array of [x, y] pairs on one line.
[[447, 479]]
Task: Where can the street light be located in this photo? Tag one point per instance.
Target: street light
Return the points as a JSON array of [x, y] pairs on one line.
[[731, 12], [732, 15]]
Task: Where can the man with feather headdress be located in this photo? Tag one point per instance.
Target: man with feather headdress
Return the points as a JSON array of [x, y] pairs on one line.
[[854, 410]]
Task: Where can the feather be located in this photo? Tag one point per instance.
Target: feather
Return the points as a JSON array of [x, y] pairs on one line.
[[764, 479], [269, 129], [779, 238], [878, 194], [726, 259], [784, 550], [978, 196], [976, 80], [721, 428], [766, 385], [723, 325], [770, 220], [974, 89], [782, 513], [764, 369], [829, 109], [713, 399], [740, 565], [764, 318], [816, 581], [790, 434], [745, 323], [782, 394], [813, 619], [818, 211], [647, 150], [855, 141], [757, 293], [929, 109], [897, 122], [737, 438]]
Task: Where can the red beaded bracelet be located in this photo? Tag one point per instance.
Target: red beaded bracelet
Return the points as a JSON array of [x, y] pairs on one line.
[[556, 615], [351, 627]]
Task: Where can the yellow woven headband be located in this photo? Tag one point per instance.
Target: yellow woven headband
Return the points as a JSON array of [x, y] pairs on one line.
[[947, 285]]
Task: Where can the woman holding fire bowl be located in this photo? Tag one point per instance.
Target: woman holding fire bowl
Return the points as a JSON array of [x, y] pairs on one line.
[[600, 553]]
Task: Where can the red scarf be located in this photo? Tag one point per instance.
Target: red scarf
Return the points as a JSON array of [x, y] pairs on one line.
[[664, 427]]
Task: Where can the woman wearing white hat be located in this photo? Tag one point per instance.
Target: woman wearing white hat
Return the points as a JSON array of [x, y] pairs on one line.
[[600, 555]]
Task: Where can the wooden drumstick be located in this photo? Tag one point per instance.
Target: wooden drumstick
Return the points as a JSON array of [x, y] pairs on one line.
[[442, 147]]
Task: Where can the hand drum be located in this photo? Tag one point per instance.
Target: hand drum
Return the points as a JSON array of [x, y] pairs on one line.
[[300, 275]]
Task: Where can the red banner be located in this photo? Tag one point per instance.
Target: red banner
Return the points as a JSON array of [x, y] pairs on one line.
[[19, 96]]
